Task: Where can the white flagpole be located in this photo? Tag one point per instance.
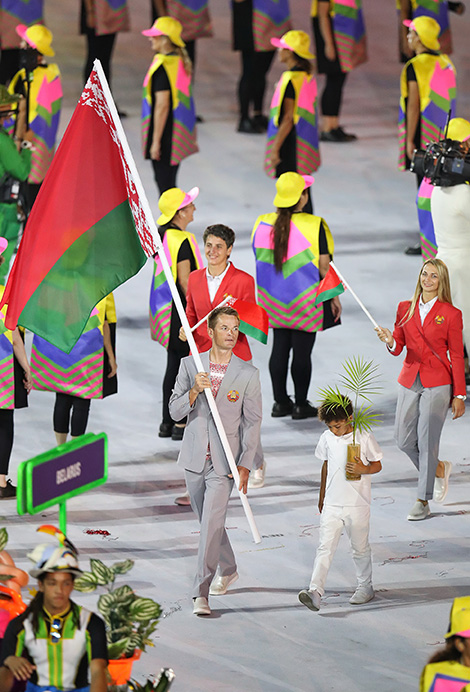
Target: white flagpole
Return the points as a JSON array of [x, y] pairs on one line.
[[354, 295], [175, 295], [204, 319]]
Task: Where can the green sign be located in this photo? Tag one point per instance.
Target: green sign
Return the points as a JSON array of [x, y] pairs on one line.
[[64, 472]]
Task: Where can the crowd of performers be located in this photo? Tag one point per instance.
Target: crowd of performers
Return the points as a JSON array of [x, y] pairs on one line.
[[292, 250]]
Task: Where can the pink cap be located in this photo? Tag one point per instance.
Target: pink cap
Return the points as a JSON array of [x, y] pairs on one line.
[[189, 197], [3, 244], [463, 633], [408, 23], [280, 43], [309, 180], [21, 30], [153, 31]]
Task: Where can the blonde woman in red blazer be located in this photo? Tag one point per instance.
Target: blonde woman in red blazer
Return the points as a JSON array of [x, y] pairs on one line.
[[432, 376]]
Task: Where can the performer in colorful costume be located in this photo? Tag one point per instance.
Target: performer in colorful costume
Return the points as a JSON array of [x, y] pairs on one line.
[[181, 250], [168, 114], [436, 9], [87, 372], [293, 125], [430, 328], [340, 39], [193, 15], [15, 384], [41, 85], [451, 665], [55, 644], [255, 23], [14, 166], [101, 21], [292, 251], [12, 13]]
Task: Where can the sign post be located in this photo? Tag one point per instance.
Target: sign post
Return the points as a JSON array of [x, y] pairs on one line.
[[64, 472]]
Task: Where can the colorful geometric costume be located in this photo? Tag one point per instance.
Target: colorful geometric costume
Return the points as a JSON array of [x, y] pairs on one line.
[[183, 138], [347, 22], [194, 17], [288, 296], [436, 79], [111, 16], [451, 675], [305, 121], [426, 225], [12, 392], [161, 301], [271, 19], [45, 99], [83, 371], [14, 12]]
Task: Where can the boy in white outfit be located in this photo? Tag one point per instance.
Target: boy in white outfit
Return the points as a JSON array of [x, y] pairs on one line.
[[343, 504]]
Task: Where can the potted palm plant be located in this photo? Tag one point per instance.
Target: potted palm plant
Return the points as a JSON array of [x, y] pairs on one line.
[[129, 619], [360, 380]]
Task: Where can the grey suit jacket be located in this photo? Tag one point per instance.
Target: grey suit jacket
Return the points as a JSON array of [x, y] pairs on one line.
[[239, 404]]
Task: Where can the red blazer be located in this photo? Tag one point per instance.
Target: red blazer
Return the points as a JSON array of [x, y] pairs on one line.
[[238, 284], [442, 329]]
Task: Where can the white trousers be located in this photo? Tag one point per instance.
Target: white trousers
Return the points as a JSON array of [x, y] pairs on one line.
[[355, 521]]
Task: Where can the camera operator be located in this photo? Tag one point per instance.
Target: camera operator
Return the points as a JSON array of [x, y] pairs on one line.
[[422, 114], [39, 82], [14, 167], [450, 209]]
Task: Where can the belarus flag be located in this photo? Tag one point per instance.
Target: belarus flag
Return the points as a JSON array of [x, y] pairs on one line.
[[254, 320], [86, 233], [329, 287]]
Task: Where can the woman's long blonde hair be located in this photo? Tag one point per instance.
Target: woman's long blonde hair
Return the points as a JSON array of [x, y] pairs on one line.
[[183, 53], [443, 289]]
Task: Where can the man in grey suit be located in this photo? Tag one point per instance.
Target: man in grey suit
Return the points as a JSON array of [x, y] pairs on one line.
[[235, 385]]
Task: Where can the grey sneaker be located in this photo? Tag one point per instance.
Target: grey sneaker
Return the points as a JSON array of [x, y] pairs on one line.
[[311, 599], [363, 594], [419, 511]]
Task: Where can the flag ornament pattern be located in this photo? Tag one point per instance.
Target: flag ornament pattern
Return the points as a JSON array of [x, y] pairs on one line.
[[435, 75], [349, 33], [161, 300], [193, 16], [329, 287], [45, 100], [13, 13], [288, 297], [426, 225], [305, 122], [254, 320], [271, 19], [111, 16], [86, 234], [80, 372], [184, 113]]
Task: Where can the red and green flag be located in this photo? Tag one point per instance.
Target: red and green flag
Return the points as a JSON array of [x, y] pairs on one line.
[[254, 320], [86, 234], [329, 287]]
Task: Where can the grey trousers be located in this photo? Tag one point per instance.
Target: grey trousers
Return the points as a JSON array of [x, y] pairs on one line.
[[209, 495], [421, 412]]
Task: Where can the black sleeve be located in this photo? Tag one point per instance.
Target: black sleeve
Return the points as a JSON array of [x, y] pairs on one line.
[[289, 92], [185, 252], [97, 632], [10, 638], [160, 81], [410, 74], [322, 242]]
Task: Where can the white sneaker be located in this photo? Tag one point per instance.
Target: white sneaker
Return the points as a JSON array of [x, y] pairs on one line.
[[183, 500], [256, 479], [201, 606], [220, 584], [441, 485], [363, 594], [419, 511], [311, 599]]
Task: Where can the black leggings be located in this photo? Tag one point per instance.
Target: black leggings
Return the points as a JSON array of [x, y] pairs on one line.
[[252, 84], [64, 403], [6, 438], [301, 344], [333, 93], [165, 175], [100, 47]]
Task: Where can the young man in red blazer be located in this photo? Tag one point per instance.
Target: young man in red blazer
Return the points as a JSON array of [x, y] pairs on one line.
[[207, 288]]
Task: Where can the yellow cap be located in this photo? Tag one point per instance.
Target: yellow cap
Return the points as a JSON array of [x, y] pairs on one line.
[[459, 129], [38, 37], [296, 41], [289, 188], [459, 625], [427, 29], [172, 200], [167, 26]]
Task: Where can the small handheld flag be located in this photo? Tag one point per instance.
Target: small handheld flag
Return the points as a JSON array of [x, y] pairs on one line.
[[329, 287]]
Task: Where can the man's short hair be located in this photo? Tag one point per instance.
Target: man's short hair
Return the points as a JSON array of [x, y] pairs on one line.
[[220, 231], [215, 314], [329, 412]]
